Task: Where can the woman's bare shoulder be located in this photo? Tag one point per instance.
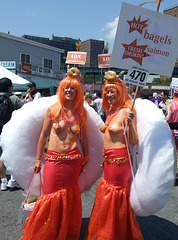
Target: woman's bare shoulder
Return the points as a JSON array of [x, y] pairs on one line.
[[123, 112], [49, 111]]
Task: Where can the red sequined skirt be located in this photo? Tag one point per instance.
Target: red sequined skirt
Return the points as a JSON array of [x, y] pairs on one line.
[[112, 217], [57, 214]]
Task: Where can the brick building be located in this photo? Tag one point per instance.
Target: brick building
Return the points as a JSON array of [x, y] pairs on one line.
[[172, 11], [93, 48]]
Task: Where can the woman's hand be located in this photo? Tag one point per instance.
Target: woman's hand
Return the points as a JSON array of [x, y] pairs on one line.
[[85, 162], [130, 117], [37, 167]]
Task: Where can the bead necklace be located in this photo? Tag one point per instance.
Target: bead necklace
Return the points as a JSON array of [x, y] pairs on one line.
[[111, 116], [66, 118]]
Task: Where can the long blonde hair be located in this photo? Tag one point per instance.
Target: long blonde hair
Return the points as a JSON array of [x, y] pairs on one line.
[[88, 97], [73, 80]]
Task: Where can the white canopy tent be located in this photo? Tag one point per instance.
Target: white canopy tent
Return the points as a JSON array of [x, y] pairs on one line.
[[16, 80], [174, 83]]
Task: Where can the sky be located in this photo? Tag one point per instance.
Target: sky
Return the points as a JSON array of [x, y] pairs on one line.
[[87, 19]]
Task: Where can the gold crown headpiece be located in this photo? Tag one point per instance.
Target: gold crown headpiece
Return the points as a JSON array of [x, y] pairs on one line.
[[74, 73], [112, 78]]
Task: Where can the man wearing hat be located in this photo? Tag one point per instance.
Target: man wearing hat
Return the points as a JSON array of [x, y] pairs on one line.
[[32, 93], [6, 89], [156, 100]]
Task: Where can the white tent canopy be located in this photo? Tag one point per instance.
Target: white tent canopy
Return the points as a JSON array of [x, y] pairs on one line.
[[16, 80], [174, 82]]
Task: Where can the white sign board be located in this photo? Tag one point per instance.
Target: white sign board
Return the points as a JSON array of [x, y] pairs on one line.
[[137, 76], [146, 39]]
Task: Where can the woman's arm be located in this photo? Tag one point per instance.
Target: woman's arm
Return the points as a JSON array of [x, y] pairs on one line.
[[169, 109], [84, 145], [132, 128], [47, 124]]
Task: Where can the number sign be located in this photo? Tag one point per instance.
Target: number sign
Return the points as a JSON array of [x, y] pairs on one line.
[[137, 76]]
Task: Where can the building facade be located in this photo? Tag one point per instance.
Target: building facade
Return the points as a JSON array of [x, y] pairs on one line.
[[92, 47], [32, 61], [172, 11], [65, 43]]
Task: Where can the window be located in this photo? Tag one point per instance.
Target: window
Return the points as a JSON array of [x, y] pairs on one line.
[[25, 58], [48, 63]]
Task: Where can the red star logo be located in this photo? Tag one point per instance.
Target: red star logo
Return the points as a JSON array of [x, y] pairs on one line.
[[137, 25], [135, 52]]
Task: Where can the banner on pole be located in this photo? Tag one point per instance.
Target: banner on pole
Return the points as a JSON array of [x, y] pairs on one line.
[[76, 58], [145, 39], [104, 60]]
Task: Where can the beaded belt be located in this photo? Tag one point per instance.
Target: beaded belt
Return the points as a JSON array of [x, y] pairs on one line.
[[119, 160], [61, 157]]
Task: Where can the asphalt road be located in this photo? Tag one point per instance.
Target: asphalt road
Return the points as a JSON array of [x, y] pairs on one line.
[[163, 225]]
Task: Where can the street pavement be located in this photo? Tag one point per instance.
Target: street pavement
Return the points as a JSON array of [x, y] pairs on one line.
[[163, 225]]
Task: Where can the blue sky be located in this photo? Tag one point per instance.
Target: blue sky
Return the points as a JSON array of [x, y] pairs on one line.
[[87, 19]]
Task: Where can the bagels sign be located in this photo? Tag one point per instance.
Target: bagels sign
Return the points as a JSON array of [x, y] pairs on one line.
[[145, 39]]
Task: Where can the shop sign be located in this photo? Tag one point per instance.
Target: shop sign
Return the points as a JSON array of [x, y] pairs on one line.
[[76, 58], [8, 64], [104, 60]]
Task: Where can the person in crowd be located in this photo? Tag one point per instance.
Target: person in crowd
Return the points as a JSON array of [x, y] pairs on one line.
[[89, 100], [14, 103], [99, 102], [32, 93], [18, 94], [172, 116], [164, 100], [57, 214], [136, 92], [112, 216], [156, 100], [133, 92]]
